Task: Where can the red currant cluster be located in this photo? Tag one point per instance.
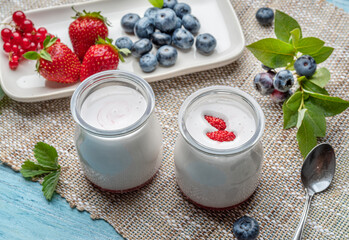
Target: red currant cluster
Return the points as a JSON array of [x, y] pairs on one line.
[[22, 38]]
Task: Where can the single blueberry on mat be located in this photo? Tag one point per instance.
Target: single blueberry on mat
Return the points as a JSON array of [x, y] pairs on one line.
[[191, 23], [169, 3], [205, 43], [305, 66], [160, 39], [265, 16], [167, 55], [283, 80], [141, 47], [182, 9], [165, 20], [182, 39], [128, 22], [280, 97], [144, 28], [148, 62], [124, 42], [151, 13], [263, 83], [246, 228]]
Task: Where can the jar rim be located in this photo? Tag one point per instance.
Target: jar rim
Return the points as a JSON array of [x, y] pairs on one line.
[[222, 89], [110, 76]]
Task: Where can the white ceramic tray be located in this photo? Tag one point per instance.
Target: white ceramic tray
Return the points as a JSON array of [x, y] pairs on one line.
[[216, 17]]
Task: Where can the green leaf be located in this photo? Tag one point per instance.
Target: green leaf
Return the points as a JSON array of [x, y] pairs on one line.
[[32, 169], [308, 85], [321, 77], [272, 52], [295, 35], [284, 24], [318, 121], [46, 155], [300, 117], [306, 137], [290, 66], [322, 54], [290, 110], [294, 101], [328, 105], [50, 183], [47, 40], [157, 3], [45, 55], [31, 55], [310, 45]]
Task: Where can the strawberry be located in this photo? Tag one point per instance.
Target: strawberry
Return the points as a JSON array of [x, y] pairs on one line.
[[216, 122], [56, 62], [221, 136], [100, 57], [85, 30]]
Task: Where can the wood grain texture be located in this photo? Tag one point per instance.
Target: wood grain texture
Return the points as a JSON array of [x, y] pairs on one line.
[[25, 214]]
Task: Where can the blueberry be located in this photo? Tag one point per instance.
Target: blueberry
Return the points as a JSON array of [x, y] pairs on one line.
[[182, 9], [205, 43], [124, 42], [263, 83], [159, 39], [148, 62], [283, 81], [128, 22], [178, 22], [182, 39], [141, 47], [246, 228], [265, 16], [280, 97], [167, 55], [165, 20], [305, 66], [169, 3], [191, 23], [151, 13], [144, 28]]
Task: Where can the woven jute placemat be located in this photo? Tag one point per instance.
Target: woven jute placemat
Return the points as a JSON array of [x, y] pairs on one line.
[[158, 210]]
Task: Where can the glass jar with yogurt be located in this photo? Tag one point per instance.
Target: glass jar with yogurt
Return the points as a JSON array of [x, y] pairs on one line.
[[218, 162], [118, 137]]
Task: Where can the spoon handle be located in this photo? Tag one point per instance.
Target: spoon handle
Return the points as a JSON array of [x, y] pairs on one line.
[[299, 231]]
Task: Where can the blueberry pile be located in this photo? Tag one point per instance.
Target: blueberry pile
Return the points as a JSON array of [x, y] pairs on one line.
[[168, 29]]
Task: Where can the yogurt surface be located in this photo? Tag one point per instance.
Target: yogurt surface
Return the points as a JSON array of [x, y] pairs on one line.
[[113, 107]]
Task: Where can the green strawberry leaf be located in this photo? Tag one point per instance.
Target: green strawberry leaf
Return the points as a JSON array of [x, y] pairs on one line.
[[321, 77], [50, 41], [46, 155], [32, 169], [295, 36], [322, 54], [272, 52], [310, 45], [45, 55], [306, 137], [284, 24], [301, 114], [311, 87], [157, 3], [50, 183], [31, 55]]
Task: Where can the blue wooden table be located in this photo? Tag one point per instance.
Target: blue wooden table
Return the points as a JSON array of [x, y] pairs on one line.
[[25, 214]]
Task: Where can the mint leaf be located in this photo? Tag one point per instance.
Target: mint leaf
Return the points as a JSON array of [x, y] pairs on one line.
[[31, 169], [321, 77], [322, 54], [46, 155], [295, 35], [306, 137], [318, 121], [284, 24], [157, 3], [310, 45], [50, 183], [308, 85], [272, 52], [300, 117], [328, 105]]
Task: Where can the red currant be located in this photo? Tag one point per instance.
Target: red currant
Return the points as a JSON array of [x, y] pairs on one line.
[[42, 30], [27, 25], [21, 52], [28, 35], [25, 43], [13, 64], [7, 47], [15, 58], [18, 17], [15, 48], [39, 37], [17, 38], [6, 33], [32, 46]]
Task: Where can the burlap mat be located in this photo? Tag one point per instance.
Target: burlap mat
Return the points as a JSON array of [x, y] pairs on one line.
[[158, 210]]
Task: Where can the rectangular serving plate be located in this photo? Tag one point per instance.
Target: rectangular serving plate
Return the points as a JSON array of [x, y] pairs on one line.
[[216, 17]]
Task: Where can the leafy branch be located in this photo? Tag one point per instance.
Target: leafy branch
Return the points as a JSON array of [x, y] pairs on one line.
[[307, 108]]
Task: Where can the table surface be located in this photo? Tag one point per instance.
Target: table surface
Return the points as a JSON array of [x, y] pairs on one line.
[[25, 214]]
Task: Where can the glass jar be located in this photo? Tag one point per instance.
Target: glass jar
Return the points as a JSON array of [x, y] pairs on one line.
[[118, 137], [213, 174]]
